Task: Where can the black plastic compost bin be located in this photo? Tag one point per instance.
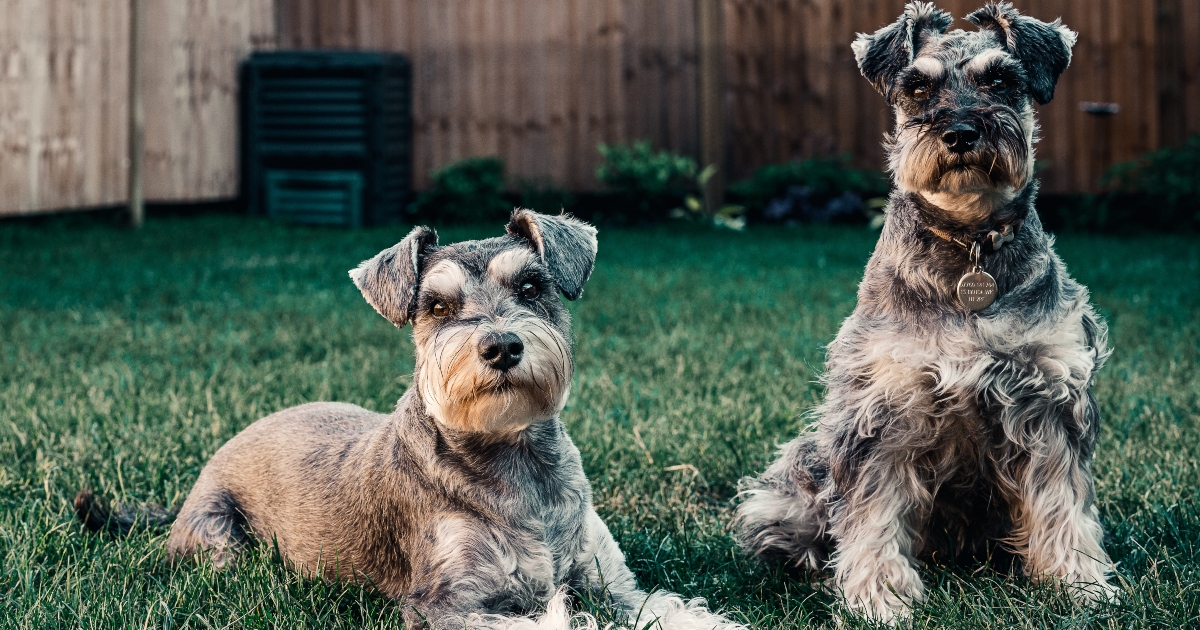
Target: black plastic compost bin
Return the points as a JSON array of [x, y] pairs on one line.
[[327, 136]]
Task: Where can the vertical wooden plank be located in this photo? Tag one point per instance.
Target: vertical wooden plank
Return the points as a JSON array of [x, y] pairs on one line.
[[1190, 89], [530, 40], [574, 85], [561, 118], [1169, 62], [137, 112], [711, 45]]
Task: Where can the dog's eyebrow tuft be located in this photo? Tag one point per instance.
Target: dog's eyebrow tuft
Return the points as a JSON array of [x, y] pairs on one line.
[[985, 60], [445, 277], [507, 265], [930, 67]]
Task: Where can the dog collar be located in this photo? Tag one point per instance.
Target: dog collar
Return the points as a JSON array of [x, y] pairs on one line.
[[997, 237], [977, 289]]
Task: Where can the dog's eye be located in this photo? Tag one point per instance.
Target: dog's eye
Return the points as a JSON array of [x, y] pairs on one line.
[[920, 91], [529, 291], [995, 82], [440, 309]]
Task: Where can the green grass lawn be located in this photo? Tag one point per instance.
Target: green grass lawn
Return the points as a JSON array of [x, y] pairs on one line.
[[127, 359]]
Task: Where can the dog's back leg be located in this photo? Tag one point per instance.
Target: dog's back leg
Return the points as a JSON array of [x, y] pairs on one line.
[[212, 522], [784, 514]]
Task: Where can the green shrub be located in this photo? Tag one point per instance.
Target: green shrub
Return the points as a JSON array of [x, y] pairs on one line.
[[821, 179], [1162, 188], [1172, 173], [648, 184], [466, 191]]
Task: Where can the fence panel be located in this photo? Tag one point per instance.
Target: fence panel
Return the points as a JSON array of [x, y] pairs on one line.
[[62, 103], [63, 99], [538, 83]]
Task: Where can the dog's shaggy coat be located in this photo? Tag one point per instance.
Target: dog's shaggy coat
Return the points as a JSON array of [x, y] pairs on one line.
[[469, 502], [945, 430]]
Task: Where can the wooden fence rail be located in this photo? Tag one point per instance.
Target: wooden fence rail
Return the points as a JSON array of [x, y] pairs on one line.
[[541, 83]]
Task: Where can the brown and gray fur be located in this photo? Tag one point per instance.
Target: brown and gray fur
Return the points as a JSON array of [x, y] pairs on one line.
[[469, 502], [944, 431]]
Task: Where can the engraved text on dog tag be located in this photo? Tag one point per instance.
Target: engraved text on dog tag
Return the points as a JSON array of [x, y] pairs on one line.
[[977, 289]]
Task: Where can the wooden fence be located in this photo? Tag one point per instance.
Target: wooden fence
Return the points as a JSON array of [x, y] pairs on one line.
[[541, 83], [538, 83], [63, 95]]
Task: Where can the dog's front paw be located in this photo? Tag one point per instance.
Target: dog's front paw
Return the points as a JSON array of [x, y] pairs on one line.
[[1093, 590], [1087, 580], [886, 595]]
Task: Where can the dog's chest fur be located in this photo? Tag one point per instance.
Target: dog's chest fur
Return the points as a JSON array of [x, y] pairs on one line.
[[928, 377], [513, 516]]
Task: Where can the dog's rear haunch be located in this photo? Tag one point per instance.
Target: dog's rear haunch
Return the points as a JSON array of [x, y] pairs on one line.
[[469, 502], [950, 425]]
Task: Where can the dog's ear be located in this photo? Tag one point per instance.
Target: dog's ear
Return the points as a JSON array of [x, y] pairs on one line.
[[1044, 49], [565, 244], [390, 280], [883, 55]]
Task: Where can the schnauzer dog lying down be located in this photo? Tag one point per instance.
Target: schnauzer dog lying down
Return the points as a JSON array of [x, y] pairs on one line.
[[958, 413], [469, 502]]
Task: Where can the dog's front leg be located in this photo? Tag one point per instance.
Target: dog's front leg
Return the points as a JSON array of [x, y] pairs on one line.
[[607, 579], [1056, 525], [875, 565]]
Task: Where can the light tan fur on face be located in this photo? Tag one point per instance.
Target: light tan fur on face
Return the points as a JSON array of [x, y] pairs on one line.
[[969, 193], [461, 392]]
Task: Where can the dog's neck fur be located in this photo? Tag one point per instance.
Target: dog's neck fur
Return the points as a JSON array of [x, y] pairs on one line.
[[515, 463], [913, 274], [974, 213]]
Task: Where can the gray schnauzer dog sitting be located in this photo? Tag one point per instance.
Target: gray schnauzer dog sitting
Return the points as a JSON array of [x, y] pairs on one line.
[[469, 502], [958, 412]]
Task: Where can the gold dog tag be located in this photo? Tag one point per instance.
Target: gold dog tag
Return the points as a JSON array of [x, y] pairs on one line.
[[977, 289]]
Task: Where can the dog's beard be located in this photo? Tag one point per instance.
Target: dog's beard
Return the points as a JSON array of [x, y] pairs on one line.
[[462, 392], [1000, 167]]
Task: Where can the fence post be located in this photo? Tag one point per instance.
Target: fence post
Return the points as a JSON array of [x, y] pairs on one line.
[[137, 118], [710, 35]]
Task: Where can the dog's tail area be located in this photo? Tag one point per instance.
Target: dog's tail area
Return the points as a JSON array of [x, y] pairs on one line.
[[98, 515], [659, 611]]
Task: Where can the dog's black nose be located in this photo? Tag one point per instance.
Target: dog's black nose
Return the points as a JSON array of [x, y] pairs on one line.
[[960, 137], [501, 351]]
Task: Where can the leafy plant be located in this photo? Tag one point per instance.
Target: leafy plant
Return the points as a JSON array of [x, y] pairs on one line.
[[649, 184], [1159, 191], [1172, 173], [1161, 187], [813, 189], [466, 191], [728, 216]]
